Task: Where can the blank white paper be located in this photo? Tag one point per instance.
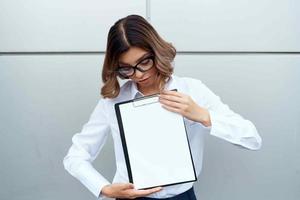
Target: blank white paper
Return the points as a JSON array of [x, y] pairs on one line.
[[157, 144]]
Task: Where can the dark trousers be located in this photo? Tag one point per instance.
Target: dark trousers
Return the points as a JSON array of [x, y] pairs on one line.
[[187, 195]]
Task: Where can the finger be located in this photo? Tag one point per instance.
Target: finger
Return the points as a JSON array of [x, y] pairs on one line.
[[171, 103], [170, 97], [141, 193], [170, 92], [127, 186]]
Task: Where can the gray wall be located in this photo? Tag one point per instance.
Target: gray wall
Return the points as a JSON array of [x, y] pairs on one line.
[[51, 54]]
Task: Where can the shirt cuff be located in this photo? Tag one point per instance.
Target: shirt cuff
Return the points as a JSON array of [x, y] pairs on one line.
[[238, 131], [92, 179], [217, 127]]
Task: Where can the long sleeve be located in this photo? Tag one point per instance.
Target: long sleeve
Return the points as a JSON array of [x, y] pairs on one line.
[[228, 125], [86, 145]]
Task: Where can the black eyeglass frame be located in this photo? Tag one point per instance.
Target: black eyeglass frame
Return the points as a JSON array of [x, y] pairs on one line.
[[136, 67]]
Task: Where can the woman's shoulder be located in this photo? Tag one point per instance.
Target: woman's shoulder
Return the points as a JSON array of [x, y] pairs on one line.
[[123, 95], [192, 86]]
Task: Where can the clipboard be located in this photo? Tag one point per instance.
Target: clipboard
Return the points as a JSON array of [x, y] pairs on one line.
[[155, 144]]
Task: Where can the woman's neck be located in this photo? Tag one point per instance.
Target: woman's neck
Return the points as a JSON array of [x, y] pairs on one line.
[[149, 90]]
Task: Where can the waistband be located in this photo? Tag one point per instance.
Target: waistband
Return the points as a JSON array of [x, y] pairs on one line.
[[187, 195]]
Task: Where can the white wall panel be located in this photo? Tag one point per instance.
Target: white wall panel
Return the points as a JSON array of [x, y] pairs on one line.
[[266, 90], [44, 101], [232, 25], [60, 25]]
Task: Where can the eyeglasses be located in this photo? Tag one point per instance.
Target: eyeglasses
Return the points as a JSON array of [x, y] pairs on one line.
[[143, 66]]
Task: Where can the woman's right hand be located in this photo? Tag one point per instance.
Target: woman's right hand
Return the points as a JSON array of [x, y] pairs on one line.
[[126, 191]]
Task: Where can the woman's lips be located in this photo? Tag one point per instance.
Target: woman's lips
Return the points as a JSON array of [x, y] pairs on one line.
[[143, 80]]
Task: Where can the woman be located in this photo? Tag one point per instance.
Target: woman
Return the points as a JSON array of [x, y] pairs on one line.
[[137, 53]]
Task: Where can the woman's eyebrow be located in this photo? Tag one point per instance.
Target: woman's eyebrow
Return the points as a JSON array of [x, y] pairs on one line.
[[141, 58]]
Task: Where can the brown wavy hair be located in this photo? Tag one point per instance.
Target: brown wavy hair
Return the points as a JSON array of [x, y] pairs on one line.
[[134, 31]]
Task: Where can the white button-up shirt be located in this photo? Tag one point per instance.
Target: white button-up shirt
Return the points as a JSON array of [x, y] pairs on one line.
[[87, 144]]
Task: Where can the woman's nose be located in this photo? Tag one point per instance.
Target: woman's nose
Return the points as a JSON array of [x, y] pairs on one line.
[[138, 74]]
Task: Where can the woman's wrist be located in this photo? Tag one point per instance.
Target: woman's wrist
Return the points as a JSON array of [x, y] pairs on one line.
[[204, 117], [207, 122], [105, 191]]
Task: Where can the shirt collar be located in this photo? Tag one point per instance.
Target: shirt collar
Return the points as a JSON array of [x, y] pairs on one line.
[[135, 93]]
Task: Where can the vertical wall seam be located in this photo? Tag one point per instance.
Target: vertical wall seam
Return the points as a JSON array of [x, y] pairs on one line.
[[148, 10]]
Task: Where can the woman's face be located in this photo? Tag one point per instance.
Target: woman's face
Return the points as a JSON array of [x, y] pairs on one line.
[[144, 80]]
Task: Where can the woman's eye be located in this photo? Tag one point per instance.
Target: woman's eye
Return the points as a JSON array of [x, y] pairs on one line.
[[125, 69], [144, 62]]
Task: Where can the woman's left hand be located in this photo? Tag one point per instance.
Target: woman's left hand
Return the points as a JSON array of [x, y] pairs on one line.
[[183, 104]]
